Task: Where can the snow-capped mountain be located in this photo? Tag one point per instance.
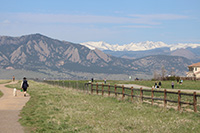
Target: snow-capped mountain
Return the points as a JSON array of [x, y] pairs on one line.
[[183, 46], [141, 46]]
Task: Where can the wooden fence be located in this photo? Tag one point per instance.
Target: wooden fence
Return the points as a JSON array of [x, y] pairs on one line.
[[114, 90]]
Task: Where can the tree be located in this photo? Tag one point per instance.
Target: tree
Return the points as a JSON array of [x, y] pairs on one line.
[[172, 72], [155, 75], [163, 72]]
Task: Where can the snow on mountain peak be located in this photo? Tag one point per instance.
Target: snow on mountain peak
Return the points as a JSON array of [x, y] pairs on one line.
[[100, 45], [141, 46], [184, 46]]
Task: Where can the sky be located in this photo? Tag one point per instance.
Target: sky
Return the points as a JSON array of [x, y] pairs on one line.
[[112, 21]]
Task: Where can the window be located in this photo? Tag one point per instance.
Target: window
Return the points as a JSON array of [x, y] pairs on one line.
[[195, 68]]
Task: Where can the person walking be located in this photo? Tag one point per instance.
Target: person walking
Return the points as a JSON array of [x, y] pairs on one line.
[[172, 84], [160, 84], [13, 78], [24, 85], [105, 81], [156, 85], [177, 81], [181, 81]]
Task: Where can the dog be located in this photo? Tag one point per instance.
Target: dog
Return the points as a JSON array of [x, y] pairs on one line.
[[14, 92]]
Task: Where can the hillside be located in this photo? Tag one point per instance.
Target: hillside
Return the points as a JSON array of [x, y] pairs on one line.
[[189, 53], [61, 59]]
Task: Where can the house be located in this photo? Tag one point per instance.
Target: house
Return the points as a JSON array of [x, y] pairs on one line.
[[194, 70]]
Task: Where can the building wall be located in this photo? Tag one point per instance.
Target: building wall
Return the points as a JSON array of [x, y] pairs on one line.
[[197, 69], [193, 70]]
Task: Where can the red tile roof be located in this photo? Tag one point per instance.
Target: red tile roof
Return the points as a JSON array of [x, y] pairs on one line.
[[195, 65]]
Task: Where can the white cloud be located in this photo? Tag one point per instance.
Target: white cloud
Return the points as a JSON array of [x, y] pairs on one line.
[[151, 19], [137, 26], [6, 22], [80, 28], [159, 16], [67, 18]]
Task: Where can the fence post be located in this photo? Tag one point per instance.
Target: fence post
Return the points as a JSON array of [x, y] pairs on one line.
[[165, 98], [97, 88], [141, 94], [152, 95], [132, 93], [77, 85], [102, 89], [65, 84], [195, 101], [109, 90], [115, 90], [179, 100], [122, 92], [87, 88], [91, 88]]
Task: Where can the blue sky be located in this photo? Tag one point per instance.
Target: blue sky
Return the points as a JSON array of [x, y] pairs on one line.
[[112, 21]]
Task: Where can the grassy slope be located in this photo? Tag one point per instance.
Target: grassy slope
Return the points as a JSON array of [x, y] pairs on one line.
[[3, 82], [53, 109], [1, 94]]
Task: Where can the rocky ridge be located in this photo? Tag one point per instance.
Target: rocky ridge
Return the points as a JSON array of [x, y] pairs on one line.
[[45, 55]]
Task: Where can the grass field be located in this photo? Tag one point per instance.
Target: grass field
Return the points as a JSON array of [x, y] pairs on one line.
[[189, 85], [3, 82], [54, 109], [1, 94]]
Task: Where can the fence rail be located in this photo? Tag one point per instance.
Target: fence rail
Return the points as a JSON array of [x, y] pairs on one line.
[[151, 96]]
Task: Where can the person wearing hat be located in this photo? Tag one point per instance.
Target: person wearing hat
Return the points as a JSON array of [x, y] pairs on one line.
[[24, 85]]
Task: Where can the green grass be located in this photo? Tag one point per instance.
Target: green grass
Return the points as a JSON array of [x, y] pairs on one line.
[[1, 94], [189, 85], [173, 97], [3, 82], [54, 109]]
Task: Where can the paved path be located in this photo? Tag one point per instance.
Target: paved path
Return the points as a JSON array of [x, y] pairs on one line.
[[145, 87], [10, 107]]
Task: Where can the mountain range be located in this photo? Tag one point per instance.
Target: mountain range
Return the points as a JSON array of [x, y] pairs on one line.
[[141, 46], [38, 56], [142, 49]]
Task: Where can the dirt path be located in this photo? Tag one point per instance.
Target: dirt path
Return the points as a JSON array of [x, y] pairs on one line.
[[10, 107]]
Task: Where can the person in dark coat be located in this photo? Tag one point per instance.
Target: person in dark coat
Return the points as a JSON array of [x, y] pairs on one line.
[[172, 85], [24, 85], [159, 84], [105, 81], [156, 85]]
